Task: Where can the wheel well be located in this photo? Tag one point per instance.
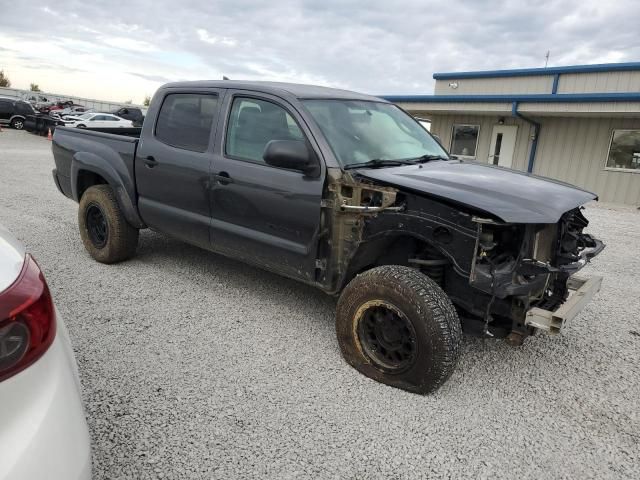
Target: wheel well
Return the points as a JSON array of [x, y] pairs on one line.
[[388, 250], [88, 179]]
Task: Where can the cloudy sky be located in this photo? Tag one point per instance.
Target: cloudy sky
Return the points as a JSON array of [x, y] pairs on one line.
[[124, 49]]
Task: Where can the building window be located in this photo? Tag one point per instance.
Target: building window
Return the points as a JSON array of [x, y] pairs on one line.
[[624, 151], [464, 140]]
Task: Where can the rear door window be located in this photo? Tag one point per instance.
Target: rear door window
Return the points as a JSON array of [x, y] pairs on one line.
[[185, 120], [6, 107]]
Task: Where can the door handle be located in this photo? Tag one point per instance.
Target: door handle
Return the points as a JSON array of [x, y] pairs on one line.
[[223, 178], [150, 162]]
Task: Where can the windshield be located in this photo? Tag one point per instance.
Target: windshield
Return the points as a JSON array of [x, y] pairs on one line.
[[362, 131]]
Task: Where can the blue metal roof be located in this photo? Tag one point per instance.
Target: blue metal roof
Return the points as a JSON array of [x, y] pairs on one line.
[[530, 98], [525, 72]]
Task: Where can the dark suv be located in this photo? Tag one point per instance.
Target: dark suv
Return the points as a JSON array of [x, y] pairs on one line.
[[130, 113], [14, 112]]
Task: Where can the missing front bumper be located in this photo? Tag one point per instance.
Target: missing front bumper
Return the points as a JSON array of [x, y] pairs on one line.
[[581, 291]]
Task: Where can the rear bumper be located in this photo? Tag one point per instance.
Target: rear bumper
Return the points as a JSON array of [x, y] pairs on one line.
[[43, 430], [581, 291]]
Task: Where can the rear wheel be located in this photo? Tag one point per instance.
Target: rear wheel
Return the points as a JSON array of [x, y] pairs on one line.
[[105, 232], [397, 326], [17, 123]]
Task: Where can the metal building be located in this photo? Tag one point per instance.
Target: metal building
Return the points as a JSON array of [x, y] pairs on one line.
[[579, 124]]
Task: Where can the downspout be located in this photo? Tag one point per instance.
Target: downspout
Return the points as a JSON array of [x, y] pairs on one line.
[[536, 134]]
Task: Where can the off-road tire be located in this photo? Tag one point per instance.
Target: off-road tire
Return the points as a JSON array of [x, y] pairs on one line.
[[436, 326], [121, 238]]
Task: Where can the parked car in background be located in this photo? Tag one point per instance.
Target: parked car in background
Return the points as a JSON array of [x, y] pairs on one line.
[[43, 430], [350, 194], [38, 101], [14, 112], [76, 110], [99, 120], [136, 115]]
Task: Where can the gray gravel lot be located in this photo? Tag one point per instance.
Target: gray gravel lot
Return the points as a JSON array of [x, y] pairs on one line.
[[197, 366]]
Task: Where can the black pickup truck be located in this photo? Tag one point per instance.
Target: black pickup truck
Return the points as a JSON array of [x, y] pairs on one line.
[[348, 193]]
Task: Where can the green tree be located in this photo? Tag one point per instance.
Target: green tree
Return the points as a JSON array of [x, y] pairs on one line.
[[4, 80], [34, 87], [147, 101]]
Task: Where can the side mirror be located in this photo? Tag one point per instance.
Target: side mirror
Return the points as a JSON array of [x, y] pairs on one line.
[[291, 154]]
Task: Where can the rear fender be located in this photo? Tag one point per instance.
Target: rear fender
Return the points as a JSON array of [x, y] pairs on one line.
[[115, 174]]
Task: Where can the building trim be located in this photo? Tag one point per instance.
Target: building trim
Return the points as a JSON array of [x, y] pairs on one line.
[[556, 80], [527, 72], [536, 133], [528, 98]]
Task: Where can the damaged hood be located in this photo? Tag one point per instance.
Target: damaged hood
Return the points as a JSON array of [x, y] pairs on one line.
[[514, 197]]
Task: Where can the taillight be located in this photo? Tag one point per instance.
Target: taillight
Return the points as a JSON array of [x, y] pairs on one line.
[[27, 320]]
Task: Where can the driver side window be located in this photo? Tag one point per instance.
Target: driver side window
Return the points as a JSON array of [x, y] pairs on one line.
[[253, 123]]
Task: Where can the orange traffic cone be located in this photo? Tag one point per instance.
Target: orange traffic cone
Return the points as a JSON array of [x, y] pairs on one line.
[[49, 136]]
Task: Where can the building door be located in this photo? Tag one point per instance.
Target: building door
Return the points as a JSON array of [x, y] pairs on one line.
[[503, 145]]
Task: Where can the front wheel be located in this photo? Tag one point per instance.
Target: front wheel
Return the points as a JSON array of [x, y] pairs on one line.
[[105, 232], [397, 326]]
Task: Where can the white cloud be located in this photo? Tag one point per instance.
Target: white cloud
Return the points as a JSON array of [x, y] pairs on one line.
[[206, 37], [378, 47]]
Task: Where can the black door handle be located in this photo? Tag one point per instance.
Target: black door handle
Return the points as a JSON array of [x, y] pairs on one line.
[[223, 178], [150, 162]]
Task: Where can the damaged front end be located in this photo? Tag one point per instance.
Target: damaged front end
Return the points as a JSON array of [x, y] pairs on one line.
[[505, 279], [530, 268]]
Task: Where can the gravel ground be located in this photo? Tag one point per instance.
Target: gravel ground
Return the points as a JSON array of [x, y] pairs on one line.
[[197, 366]]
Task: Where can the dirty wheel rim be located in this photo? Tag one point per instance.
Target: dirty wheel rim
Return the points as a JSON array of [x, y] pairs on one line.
[[386, 337], [97, 226]]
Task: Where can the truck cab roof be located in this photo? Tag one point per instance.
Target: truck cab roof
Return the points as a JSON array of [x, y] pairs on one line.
[[297, 90]]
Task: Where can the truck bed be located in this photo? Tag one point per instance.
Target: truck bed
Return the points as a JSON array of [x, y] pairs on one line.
[[79, 146]]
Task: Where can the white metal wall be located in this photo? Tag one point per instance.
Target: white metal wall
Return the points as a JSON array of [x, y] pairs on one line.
[[573, 150], [598, 82], [98, 105], [495, 86]]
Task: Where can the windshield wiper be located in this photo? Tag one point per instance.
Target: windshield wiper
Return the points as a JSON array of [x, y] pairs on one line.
[[377, 163], [428, 158]]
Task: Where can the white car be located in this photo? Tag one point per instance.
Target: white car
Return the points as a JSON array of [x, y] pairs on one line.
[[43, 430], [100, 120]]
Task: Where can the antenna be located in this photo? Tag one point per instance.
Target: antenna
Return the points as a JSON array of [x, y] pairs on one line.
[[546, 62]]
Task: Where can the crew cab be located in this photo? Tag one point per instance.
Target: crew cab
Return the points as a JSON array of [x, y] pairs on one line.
[[350, 194]]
